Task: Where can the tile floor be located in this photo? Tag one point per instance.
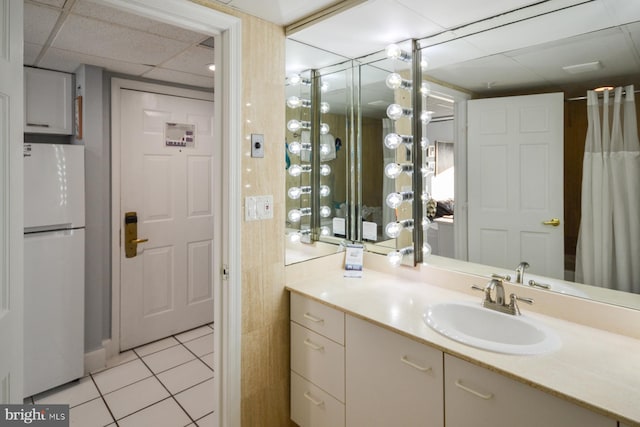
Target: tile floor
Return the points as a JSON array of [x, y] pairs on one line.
[[168, 383]]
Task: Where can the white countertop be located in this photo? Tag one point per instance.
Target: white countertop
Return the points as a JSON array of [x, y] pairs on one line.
[[594, 368]]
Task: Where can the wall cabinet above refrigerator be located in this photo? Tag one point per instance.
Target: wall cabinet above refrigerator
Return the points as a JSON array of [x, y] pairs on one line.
[[47, 101]]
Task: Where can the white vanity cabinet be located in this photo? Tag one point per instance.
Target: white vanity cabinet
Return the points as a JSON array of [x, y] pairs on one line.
[[317, 364], [47, 101], [477, 397], [391, 380]]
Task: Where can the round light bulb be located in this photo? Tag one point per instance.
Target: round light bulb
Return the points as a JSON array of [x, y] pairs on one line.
[[393, 81], [294, 102], [324, 86], [325, 211], [393, 51], [324, 107], [295, 79], [294, 237], [393, 170], [325, 170], [424, 142], [294, 193], [426, 249], [294, 125], [295, 170], [426, 116], [294, 215], [426, 223], [295, 147], [324, 190], [324, 128], [425, 89], [392, 141], [394, 200], [325, 149], [395, 258], [424, 63], [393, 229], [325, 231], [395, 111]]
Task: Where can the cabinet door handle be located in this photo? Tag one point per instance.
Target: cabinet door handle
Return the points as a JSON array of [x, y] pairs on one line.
[[313, 318], [312, 400], [484, 396], [39, 125], [310, 344], [406, 361]]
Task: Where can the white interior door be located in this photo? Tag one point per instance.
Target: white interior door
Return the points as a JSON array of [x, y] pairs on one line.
[[515, 182], [11, 231], [168, 286]]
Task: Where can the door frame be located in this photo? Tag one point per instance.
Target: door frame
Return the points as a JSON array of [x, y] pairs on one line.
[[227, 98]]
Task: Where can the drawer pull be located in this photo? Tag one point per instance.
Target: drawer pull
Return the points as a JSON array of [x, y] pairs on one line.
[[38, 125], [310, 344], [312, 400], [406, 361], [313, 318], [475, 393]]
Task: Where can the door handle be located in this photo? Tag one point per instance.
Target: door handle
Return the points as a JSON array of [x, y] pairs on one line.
[[131, 239], [553, 222]]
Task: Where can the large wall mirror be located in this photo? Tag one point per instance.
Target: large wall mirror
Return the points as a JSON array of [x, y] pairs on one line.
[[489, 59]]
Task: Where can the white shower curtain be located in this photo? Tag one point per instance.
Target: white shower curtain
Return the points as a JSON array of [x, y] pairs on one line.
[[608, 251], [388, 184]]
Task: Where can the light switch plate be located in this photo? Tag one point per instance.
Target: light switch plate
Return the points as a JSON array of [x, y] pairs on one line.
[[257, 145]]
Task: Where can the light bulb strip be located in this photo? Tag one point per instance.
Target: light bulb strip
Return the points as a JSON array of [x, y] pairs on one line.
[[417, 128]]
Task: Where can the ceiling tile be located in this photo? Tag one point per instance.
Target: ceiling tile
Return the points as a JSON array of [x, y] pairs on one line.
[[367, 28], [57, 59], [90, 9], [179, 77], [38, 23], [451, 52], [92, 37], [55, 3], [623, 11], [302, 57], [281, 12], [193, 60], [31, 52]]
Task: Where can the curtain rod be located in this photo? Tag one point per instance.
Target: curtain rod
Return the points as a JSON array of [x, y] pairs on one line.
[[582, 98]]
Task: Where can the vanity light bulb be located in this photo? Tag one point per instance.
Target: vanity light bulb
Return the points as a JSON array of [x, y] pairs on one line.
[[325, 231], [425, 89], [393, 229], [426, 223], [294, 193], [393, 140], [325, 211], [394, 51], [324, 128], [394, 200], [424, 63], [325, 149], [324, 190], [395, 258], [426, 116], [294, 237], [424, 142], [324, 107], [325, 170], [393, 170], [294, 102], [294, 215], [295, 79], [295, 147], [324, 86], [394, 81], [294, 125], [395, 112], [295, 170], [426, 249]]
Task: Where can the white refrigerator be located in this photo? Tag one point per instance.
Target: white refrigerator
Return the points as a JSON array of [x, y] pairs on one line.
[[54, 248]]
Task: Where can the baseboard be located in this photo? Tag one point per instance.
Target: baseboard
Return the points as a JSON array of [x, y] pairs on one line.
[[96, 359]]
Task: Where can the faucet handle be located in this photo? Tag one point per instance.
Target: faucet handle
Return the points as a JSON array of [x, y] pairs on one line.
[[538, 284], [513, 298], [505, 277]]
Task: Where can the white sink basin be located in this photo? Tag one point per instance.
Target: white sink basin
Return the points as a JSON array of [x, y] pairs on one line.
[[488, 329]]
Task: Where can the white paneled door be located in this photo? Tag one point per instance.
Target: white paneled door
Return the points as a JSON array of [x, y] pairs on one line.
[[11, 231], [167, 179], [515, 182]]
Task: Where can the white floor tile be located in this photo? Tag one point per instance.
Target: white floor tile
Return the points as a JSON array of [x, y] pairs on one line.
[[71, 394], [208, 359], [201, 346], [194, 333], [207, 421], [199, 400], [156, 346], [166, 413], [167, 359], [134, 397], [184, 376], [90, 414], [121, 375], [121, 358]]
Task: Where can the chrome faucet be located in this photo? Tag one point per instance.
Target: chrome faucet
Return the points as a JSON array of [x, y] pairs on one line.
[[520, 271], [499, 304]]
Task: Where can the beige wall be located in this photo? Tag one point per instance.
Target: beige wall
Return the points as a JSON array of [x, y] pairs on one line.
[[265, 309]]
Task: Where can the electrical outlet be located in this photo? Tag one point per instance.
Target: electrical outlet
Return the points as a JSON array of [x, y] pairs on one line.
[[257, 145]]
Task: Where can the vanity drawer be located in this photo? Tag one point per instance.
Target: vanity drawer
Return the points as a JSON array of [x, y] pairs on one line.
[[318, 359], [318, 317], [311, 406]]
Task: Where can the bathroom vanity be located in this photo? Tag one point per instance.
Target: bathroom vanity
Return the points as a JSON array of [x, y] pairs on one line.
[[361, 354]]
